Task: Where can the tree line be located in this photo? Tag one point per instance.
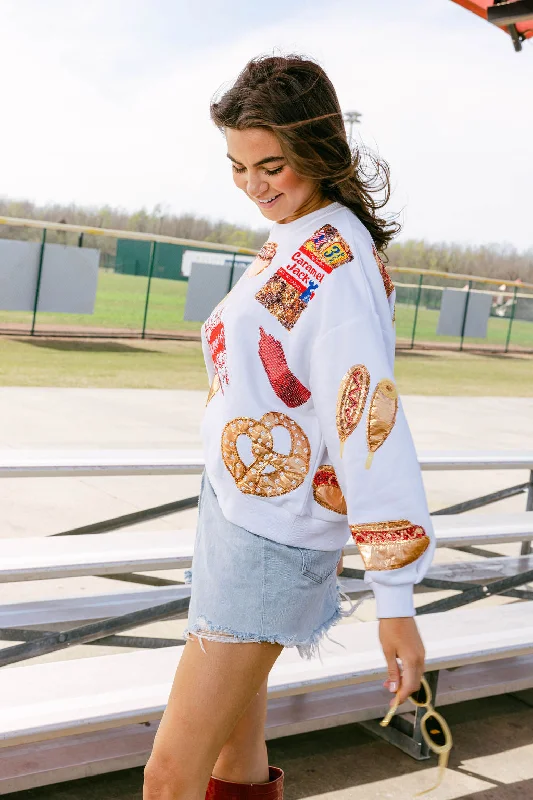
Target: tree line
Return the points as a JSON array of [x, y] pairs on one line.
[[492, 260]]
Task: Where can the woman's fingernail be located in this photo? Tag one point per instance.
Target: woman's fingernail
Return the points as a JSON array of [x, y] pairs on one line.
[[392, 686]]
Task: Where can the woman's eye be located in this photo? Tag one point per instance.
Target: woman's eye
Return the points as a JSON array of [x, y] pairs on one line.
[[267, 171]]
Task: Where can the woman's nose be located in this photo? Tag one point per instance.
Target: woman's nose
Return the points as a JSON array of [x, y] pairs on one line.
[[256, 186]]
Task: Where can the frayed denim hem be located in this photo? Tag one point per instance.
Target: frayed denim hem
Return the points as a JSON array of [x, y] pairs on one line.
[[308, 649], [311, 648]]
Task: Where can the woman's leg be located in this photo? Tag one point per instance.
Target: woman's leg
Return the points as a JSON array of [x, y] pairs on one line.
[[211, 691], [244, 758]]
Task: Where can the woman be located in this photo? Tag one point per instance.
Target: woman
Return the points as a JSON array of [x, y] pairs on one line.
[[304, 439]]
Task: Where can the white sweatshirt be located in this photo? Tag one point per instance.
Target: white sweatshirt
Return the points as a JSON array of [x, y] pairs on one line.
[[304, 436]]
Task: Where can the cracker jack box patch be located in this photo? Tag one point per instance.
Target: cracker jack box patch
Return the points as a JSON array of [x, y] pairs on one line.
[[327, 248], [292, 287]]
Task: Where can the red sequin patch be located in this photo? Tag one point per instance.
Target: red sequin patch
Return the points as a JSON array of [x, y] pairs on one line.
[[382, 532], [285, 384], [216, 338]]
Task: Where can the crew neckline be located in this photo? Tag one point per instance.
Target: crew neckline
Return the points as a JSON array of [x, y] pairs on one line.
[[281, 227]]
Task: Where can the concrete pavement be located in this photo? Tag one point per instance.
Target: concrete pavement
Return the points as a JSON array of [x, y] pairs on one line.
[[493, 756]]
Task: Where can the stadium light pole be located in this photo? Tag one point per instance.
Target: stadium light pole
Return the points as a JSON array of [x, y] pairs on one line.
[[352, 118]]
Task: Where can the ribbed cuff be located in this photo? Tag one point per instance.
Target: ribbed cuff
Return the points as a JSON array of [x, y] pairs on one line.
[[394, 601]]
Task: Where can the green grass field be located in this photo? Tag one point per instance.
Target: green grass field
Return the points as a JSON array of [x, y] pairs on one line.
[[120, 302], [426, 327], [153, 364], [121, 299], [179, 365]]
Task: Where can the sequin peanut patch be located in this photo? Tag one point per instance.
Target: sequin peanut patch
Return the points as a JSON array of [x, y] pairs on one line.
[[216, 339], [327, 248], [263, 259], [351, 400], [389, 545], [285, 384], [326, 490], [381, 416], [386, 278], [286, 472]]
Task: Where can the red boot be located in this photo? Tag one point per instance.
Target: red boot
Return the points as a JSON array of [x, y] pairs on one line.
[[226, 790]]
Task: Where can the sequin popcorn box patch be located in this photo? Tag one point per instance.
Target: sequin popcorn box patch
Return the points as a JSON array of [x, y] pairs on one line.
[[327, 248], [289, 291]]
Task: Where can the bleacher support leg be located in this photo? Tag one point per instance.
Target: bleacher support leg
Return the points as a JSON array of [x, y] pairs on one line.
[[404, 730], [525, 550]]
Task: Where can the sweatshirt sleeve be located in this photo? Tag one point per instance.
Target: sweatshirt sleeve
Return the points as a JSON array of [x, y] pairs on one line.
[[369, 443]]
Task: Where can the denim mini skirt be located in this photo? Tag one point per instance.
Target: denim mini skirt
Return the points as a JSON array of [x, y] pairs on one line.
[[246, 588]]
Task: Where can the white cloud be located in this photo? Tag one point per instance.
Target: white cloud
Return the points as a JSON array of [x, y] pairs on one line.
[[103, 103]]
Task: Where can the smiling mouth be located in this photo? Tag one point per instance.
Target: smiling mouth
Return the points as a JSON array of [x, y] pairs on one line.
[[270, 200]]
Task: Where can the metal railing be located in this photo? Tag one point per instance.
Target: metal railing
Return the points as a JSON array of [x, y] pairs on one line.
[[148, 306]]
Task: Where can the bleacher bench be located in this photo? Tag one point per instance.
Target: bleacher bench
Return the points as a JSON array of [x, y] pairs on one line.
[[89, 720]]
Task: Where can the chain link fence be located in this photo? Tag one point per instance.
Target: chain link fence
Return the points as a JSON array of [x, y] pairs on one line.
[[142, 287]]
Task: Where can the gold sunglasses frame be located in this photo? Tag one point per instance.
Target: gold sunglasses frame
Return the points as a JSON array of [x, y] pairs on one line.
[[442, 751]]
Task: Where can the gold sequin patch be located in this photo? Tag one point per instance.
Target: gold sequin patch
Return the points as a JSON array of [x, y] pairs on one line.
[[389, 545], [282, 300], [263, 259], [215, 386], [327, 248], [381, 416], [286, 472], [326, 490], [351, 400], [386, 278]]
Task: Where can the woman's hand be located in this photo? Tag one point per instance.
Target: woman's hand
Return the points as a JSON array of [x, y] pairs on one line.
[[400, 639]]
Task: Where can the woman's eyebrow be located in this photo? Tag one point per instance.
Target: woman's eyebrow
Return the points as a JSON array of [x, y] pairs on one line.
[[266, 160]]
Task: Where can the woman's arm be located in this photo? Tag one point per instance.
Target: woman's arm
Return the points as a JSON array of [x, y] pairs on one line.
[[371, 449]]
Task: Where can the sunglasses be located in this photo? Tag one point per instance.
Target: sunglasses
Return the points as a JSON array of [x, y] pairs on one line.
[[434, 727]]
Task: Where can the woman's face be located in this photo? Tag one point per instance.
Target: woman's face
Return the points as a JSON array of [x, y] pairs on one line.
[[261, 170]]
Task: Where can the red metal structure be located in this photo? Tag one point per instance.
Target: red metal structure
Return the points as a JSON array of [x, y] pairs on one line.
[[515, 17]]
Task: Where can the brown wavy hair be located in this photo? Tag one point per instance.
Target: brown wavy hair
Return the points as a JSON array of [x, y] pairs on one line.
[[293, 97]]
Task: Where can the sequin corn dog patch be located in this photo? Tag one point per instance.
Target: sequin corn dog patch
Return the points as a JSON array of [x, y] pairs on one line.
[[292, 287]]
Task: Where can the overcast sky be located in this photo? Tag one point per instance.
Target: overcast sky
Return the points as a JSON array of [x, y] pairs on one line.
[[107, 102]]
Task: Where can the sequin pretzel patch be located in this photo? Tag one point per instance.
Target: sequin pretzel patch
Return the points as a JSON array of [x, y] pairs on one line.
[[326, 490], [289, 291], [287, 472], [389, 545]]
